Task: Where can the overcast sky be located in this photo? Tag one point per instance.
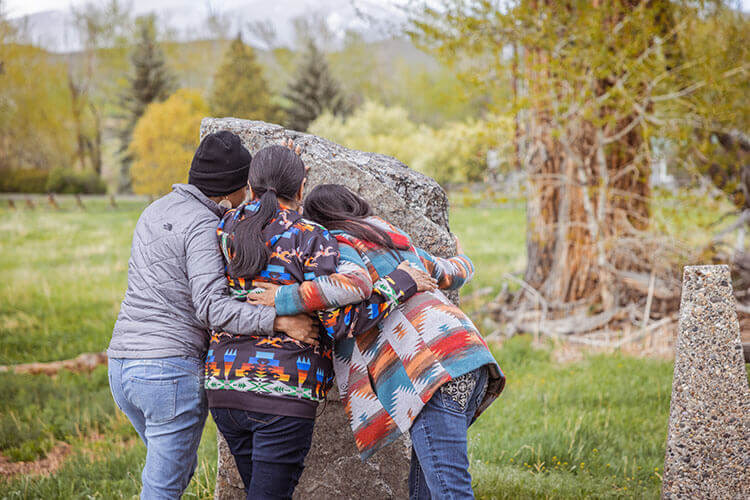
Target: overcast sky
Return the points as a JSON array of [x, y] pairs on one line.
[[15, 8]]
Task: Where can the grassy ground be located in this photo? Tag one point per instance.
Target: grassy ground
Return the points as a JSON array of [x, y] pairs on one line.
[[494, 238], [593, 428], [63, 277]]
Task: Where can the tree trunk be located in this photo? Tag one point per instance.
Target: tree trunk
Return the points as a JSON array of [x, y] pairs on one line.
[[586, 187]]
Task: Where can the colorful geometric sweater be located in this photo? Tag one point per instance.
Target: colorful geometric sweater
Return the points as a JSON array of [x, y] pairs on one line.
[[387, 374], [277, 374]]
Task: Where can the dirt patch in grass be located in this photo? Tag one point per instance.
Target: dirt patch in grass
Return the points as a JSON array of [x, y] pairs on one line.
[[57, 456], [44, 466]]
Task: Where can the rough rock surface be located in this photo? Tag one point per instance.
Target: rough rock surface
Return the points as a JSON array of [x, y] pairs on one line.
[[416, 204], [708, 447]]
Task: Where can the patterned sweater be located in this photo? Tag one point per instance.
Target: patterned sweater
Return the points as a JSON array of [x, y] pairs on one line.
[[387, 374], [277, 374]]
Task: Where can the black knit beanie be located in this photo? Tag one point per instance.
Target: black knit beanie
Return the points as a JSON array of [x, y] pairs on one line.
[[220, 165]]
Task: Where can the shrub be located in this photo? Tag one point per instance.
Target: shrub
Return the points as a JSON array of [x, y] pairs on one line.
[[23, 180], [455, 153], [68, 181], [164, 142]]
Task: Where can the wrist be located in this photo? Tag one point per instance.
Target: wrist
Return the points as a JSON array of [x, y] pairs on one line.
[[404, 284], [287, 300]]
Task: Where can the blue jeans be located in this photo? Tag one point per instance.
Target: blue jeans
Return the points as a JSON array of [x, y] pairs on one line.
[[269, 450], [439, 458], [165, 401]]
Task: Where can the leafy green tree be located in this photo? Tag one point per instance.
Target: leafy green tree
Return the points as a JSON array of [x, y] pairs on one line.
[[150, 81], [164, 141], [98, 25], [35, 121], [719, 145], [239, 88], [313, 90], [593, 82]]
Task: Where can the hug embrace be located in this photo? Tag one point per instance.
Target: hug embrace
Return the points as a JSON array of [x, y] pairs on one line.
[[247, 301]]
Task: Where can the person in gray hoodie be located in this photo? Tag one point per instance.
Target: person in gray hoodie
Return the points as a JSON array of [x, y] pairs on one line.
[[177, 292]]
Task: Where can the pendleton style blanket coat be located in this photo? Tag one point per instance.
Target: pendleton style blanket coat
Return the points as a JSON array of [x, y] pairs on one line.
[[387, 374], [276, 374]]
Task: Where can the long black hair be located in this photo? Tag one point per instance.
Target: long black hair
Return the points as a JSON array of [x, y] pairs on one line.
[[275, 172], [337, 208]]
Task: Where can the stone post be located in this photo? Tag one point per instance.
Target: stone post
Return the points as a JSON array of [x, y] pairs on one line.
[[411, 201], [708, 442]]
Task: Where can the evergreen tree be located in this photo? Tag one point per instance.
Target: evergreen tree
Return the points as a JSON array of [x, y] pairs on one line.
[[239, 88], [151, 81], [312, 91]]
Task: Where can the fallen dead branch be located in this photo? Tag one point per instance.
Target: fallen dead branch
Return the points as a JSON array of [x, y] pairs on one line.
[[86, 362], [640, 284], [643, 332], [642, 278], [578, 324]]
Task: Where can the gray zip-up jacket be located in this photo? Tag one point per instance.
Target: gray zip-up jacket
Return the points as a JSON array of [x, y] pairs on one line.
[[177, 290]]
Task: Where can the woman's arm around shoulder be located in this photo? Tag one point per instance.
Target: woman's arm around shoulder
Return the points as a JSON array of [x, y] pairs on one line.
[[335, 276], [451, 273]]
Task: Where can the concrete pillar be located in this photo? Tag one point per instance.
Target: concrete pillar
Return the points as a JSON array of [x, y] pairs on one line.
[[708, 442]]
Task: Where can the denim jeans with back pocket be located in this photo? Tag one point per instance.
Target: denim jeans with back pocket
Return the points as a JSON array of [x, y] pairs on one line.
[[440, 460], [165, 401]]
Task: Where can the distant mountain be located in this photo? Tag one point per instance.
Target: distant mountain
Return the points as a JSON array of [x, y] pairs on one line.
[[49, 29], [374, 20]]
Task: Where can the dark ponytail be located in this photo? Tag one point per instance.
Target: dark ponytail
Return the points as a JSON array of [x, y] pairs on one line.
[[276, 173], [337, 208]]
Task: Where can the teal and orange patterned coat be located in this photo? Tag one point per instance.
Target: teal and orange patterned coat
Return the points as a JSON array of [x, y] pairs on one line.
[[276, 374], [386, 374]]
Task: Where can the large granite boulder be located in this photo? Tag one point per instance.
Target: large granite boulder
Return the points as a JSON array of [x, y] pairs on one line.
[[416, 204], [708, 444]]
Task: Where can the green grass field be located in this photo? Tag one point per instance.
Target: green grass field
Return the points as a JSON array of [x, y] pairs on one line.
[[595, 428]]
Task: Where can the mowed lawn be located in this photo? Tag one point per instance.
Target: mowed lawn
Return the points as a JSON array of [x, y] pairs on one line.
[[594, 428]]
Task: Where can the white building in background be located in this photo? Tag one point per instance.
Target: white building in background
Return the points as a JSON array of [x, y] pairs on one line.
[[660, 176]]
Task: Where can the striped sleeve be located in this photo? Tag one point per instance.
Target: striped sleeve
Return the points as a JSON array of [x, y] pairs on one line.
[[350, 284], [355, 319], [452, 273]]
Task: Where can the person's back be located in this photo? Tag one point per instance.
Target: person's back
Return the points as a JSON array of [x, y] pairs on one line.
[[275, 375], [426, 365], [451, 274], [173, 283], [263, 391], [177, 292]]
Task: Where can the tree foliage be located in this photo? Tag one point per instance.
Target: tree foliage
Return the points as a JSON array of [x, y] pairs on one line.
[[594, 82], [50, 124], [98, 26], [718, 144], [164, 141], [395, 73], [35, 121], [678, 68], [150, 81], [313, 90], [239, 88], [456, 152]]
